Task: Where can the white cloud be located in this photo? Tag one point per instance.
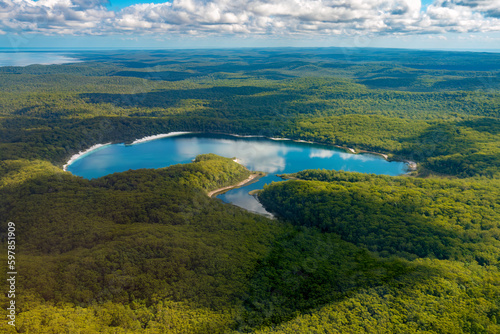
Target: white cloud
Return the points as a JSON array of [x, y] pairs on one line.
[[318, 153], [53, 16], [488, 7], [462, 16], [250, 17]]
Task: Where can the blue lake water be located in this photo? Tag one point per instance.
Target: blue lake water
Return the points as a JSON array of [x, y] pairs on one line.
[[30, 58], [258, 154]]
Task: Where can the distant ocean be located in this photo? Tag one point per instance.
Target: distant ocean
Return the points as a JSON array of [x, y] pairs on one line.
[[30, 58]]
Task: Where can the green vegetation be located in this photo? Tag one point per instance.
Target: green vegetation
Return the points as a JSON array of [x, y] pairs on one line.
[[134, 239], [445, 235], [147, 251], [437, 297], [402, 216], [336, 98]]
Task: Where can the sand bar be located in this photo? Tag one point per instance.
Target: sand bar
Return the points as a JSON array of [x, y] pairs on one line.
[[162, 135]]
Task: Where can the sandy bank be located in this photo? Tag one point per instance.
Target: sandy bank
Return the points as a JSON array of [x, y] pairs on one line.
[[82, 153], [242, 183], [411, 165], [376, 153], [162, 135], [137, 141]]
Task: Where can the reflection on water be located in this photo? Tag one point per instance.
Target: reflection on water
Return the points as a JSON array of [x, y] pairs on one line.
[[258, 154], [321, 154], [361, 157], [240, 197], [269, 157]]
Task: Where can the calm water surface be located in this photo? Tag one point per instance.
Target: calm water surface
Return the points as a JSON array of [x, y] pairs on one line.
[[30, 58], [258, 154]]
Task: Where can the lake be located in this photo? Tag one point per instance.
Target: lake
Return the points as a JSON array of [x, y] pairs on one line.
[[256, 153], [34, 57]]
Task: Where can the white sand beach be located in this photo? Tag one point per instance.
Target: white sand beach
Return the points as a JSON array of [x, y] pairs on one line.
[[82, 153]]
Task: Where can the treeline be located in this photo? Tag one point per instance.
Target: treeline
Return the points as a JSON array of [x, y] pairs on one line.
[[376, 68], [460, 148], [57, 140], [400, 216], [68, 96], [439, 237]]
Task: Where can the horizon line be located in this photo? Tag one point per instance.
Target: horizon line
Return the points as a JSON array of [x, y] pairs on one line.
[[33, 49]]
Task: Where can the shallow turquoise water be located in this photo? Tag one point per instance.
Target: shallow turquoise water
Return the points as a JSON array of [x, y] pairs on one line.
[[259, 154]]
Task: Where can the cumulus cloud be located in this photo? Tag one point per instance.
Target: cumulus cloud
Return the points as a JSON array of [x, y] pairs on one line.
[[53, 16], [250, 17], [488, 7], [462, 16]]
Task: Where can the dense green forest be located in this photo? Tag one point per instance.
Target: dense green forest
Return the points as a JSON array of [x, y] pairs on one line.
[[446, 234], [49, 112], [147, 251]]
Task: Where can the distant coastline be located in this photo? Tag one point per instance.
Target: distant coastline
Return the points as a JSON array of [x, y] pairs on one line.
[[27, 58]]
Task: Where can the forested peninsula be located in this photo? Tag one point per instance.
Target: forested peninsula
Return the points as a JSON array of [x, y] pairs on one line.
[[148, 251]]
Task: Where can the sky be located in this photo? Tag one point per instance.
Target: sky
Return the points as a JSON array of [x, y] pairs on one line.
[[94, 24]]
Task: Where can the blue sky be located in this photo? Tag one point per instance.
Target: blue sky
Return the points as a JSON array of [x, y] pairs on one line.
[[120, 4], [439, 24], [125, 3]]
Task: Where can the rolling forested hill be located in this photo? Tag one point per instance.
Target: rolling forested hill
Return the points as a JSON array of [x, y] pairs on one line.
[[148, 251]]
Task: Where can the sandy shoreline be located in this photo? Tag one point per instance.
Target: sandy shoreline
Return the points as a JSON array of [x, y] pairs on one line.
[[242, 183], [377, 153], [80, 154], [241, 136], [411, 164], [346, 148], [161, 135]]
